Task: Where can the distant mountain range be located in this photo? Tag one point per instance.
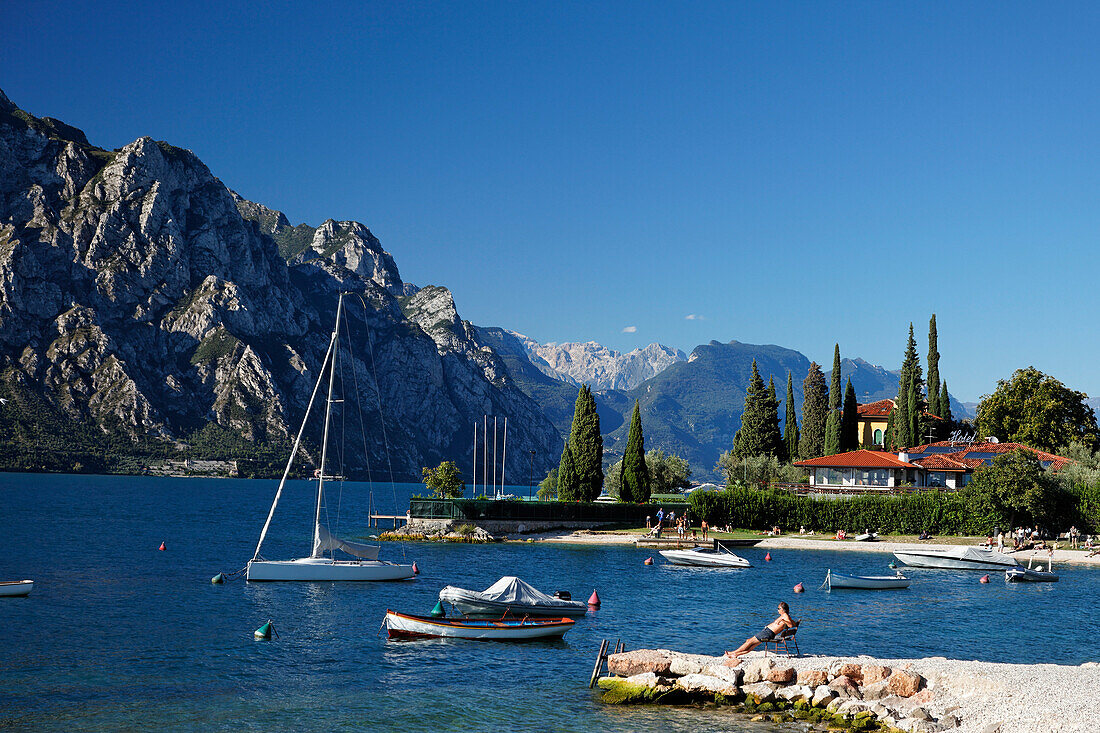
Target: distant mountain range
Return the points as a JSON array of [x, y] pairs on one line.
[[143, 303]]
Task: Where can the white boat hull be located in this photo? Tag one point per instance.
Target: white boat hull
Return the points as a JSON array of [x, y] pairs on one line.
[[1028, 575], [399, 625], [705, 558], [481, 607], [313, 569], [866, 582], [963, 558], [16, 588]]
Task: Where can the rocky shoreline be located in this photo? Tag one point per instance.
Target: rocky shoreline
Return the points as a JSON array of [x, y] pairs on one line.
[[861, 693]]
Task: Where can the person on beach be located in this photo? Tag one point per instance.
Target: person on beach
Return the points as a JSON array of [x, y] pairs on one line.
[[1073, 537], [1000, 542], [703, 528], [781, 624]]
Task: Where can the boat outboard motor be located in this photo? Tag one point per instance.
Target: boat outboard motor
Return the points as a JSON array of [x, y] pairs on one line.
[[563, 595]]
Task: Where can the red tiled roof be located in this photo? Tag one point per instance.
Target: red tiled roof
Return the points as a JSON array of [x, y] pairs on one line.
[[883, 408], [922, 457], [943, 463], [858, 459]]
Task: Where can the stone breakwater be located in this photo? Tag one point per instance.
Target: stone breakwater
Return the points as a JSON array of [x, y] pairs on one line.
[[917, 695]]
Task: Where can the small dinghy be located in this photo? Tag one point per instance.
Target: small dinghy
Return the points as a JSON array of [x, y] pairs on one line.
[[510, 595], [1029, 574], [866, 537], [406, 626], [706, 557], [865, 582], [15, 588]]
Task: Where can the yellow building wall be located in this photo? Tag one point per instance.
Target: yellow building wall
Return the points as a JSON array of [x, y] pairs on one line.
[[867, 428]]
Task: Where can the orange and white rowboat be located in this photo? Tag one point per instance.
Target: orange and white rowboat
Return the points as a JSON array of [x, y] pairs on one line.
[[406, 626]]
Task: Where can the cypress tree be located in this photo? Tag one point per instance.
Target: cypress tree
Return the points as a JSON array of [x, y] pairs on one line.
[[567, 476], [945, 407], [759, 434], [634, 479], [888, 441], [815, 408], [790, 424], [772, 424], [834, 388], [849, 420], [908, 405], [832, 433], [933, 369], [586, 445]]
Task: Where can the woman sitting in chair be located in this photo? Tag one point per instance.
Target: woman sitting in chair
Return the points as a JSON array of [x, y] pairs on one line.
[[770, 631]]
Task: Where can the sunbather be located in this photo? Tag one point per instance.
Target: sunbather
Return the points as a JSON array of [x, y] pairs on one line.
[[770, 631]]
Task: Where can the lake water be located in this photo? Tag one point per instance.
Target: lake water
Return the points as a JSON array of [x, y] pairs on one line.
[[119, 636]]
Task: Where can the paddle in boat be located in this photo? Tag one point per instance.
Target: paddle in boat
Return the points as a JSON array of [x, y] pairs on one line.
[[1029, 574], [322, 565], [15, 588], [706, 557], [864, 582], [963, 557], [407, 626], [510, 595]]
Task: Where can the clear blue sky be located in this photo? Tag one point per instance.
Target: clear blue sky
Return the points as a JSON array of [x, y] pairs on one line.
[[788, 173]]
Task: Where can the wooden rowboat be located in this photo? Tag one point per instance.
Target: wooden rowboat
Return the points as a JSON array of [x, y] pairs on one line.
[[407, 626], [15, 588]]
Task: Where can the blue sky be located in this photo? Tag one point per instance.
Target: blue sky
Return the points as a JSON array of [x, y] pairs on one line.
[[789, 173]]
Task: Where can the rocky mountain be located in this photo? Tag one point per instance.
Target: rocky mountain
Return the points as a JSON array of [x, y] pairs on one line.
[[598, 366], [143, 304]]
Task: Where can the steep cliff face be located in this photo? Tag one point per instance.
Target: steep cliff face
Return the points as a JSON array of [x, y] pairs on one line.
[[139, 294]]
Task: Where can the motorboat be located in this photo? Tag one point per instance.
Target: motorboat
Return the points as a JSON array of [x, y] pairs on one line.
[[706, 557], [407, 626], [510, 595], [1029, 574], [866, 537], [865, 582], [15, 588], [963, 557], [322, 564]]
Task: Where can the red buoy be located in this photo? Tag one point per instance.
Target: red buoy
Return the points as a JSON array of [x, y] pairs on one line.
[[416, 570], [768, 557], [162, 548], [594, 599], [649, 561], [984, 579], [798, 588]]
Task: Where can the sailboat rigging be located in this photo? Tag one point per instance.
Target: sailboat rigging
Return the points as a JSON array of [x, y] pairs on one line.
[[318, 566]]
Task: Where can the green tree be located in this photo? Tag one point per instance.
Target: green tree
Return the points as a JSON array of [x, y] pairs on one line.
[[771, 416], [907, 422], [668, 473], [759, 433], [790, 424], [445, 480], [834, 387], [849, 420], [1016, 488], [548, 487], [815, 408], [1037, 410], [568, 481], [933, 369], [945, 408], [832, 433], [634, 478], [586, 445]]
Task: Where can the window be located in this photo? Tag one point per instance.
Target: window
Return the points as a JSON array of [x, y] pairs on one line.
[[962, 480], [873, 477], [832, 476], [937, 479], [878, 437]]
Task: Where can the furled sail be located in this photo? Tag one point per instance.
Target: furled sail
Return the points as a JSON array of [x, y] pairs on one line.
[[325, 541]]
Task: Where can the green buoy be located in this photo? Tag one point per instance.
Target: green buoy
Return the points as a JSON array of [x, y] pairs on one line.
[[438, 611], [264, 632], [218, 579]]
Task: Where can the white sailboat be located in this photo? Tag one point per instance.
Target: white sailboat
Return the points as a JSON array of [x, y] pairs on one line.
[[319, 566]]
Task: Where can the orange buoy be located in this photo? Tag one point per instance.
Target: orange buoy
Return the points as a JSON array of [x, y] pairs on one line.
[[984, 579], [594, 599], [416, 570], [649, 561], [768, 557], [798, 588], [162, 548]]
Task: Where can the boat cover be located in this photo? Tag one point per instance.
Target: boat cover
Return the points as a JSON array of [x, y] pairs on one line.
[[325, 541], [981, 554], [509, 590]]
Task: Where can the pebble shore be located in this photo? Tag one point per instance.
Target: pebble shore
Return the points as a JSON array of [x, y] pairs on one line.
[[861, 693]]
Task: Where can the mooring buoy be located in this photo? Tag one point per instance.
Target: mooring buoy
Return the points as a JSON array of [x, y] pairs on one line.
[[438, 611], [264, 632], [218, 579]]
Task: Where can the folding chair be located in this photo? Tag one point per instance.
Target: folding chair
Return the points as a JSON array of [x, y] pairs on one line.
[[785, 641]]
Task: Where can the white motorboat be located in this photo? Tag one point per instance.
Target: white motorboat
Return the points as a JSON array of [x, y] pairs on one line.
[[1031, 575], [963, 557], [15, 588], [322, 565], [510, 595], [866, 537], [706, 557], [865, 582], [407, 626]]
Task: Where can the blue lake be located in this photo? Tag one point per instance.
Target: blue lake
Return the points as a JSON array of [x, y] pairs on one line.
[[119, 636]]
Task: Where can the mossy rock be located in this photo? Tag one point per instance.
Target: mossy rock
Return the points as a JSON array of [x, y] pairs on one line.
[[766, 707], [618, 691]]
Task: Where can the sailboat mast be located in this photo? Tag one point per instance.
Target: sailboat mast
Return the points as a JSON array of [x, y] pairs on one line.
[[494, 456], [328, 418], [475, 459], [504, 457], [484, 454]]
